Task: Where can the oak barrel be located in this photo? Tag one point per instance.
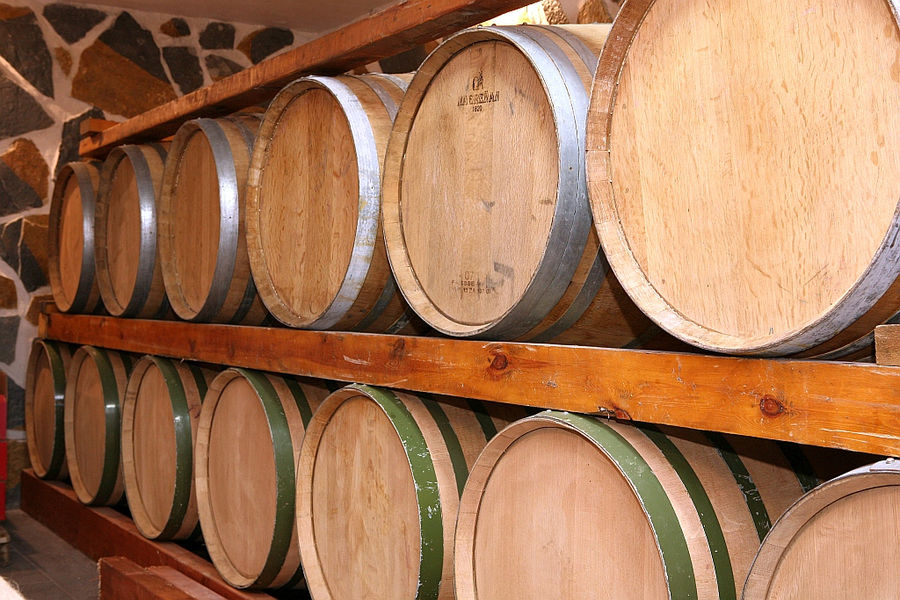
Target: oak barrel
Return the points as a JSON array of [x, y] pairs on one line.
[[842, 540], [486, 218], [741, 201], [378, 485], [45, 389], [71, 238], [202, 214], [560, 505], [314, 205], [251, 427], [125, 230], [160, 416], [95, 389]]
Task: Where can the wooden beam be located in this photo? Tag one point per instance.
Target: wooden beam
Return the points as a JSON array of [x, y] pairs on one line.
[[855, 406], [382, 34], [122, 578], [100, 532]]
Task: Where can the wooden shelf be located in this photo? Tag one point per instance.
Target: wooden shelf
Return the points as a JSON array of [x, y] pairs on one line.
[[102, 531], [855, 406], [385, 33]]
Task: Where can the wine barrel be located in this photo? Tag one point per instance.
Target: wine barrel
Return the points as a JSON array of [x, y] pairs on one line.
[[249, 436], [486, 218], [567, 506], [160, 415], [202, 245], [752, 211], [95, 388], [378, 485], [128, 271], [838, 541], [313, 200], [45, 389], [71, 238]]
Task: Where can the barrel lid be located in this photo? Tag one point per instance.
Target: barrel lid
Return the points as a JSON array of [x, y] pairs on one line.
[[742, 170]]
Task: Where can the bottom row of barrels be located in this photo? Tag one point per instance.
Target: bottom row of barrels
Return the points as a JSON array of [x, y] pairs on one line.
[[385, 495]]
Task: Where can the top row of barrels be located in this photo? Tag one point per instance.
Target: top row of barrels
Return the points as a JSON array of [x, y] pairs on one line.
[[714, 174]]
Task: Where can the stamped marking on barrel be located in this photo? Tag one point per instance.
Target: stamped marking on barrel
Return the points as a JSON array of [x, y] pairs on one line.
[[477, 98], [771, 406]]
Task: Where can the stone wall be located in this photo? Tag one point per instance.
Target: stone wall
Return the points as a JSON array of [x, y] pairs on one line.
[[59, 64]]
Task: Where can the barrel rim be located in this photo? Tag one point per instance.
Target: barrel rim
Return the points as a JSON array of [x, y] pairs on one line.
[[229, 218], [880, 474], [109, 490], [431, 557], [284, 465], [881, 273], [368, 167], [568, 235], [648, 492], [58, 356], [184, 451], [147, 259], [87, 294]]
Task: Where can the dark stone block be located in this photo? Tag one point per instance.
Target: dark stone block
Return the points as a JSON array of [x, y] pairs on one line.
[[217, 36], [184, 67], [33, 252], [405, 62], [24, 176], [32, 273], [175, 27], [9, 330], [71, 136], [9, 243], [72, 22], [19, 112], [9, 298], [220, 67], [16, 194], [264, 42], [36, 306], [135, 43], [22, 45], [15, 395]]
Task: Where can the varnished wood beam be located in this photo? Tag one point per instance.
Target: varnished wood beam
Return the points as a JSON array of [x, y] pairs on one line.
[[385, 33], [99, 532], [854, 406]]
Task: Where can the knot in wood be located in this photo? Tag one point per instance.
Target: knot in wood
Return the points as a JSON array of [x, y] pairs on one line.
[[771, 406], [500, 362]]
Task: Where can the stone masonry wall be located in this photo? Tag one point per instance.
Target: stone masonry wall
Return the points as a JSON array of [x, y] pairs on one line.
[[61, 63]]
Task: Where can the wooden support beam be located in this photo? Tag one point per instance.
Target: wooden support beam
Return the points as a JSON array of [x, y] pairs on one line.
[[855, 406], [399, 27], [121, 578], [92, 126], [101, 532]]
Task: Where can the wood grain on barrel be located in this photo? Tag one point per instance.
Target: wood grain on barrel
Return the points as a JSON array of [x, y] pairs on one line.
[[154, 447], [838, 541], [741, 171], [71, 239], [45, 385], [123, 232]]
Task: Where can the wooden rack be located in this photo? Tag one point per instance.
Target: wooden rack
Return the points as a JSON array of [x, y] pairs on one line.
[[855, 406]]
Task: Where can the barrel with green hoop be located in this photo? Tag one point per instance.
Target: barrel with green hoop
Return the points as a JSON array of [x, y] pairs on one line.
[[95, 389], [248, 440], [378, 486], [45, 388], [571, 506], [159, 425]]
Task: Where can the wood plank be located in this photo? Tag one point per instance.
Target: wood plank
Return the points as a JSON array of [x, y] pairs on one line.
[[122, 578], [185, 583], [887, 345], [382, 34], [101, 532], [855, 406], [91, 127]]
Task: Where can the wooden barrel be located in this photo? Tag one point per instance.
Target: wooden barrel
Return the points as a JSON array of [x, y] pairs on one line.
[[202, 245], [313, 199], [251, 427], [752, 211], [486, 218], [568, 506], [378, 486], [45, 389], [839, 541], [128, 271], [159, 425], [95, 389], [71, 238]]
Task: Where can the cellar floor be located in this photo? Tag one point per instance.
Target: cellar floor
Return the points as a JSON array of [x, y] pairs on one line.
[[44, 567]]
